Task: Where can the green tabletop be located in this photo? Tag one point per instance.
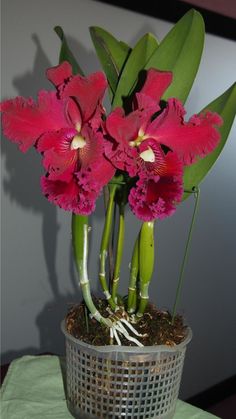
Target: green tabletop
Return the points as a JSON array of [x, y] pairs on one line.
[[33, 388]]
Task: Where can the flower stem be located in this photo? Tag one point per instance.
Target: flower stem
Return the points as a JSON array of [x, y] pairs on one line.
[[146, 263], [196, 192], [132, 294], [104, 246], [110, 246], [80, 230], [119, 251]]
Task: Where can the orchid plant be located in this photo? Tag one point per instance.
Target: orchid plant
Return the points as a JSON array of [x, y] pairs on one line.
[[142, 153]]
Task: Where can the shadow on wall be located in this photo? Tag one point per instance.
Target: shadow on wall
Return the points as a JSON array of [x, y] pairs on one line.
[[22, 185]]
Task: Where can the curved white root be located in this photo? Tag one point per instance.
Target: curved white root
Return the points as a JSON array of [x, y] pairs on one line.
[[116, 336], [119, 328], [120, 324], [111, 334], [132, 328], [123, 332]]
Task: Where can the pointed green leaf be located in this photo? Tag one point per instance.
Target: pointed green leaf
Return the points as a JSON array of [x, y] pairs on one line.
[[111, 53], [136, 62], [225, 106], [180, 52], [65, 52]]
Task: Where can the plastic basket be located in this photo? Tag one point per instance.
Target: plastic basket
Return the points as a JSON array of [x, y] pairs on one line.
[[121, 381]]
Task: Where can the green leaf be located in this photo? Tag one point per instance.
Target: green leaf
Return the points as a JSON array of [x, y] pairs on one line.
[[225, 106], [111, 53], [65, 52], [180, 52], [136, 62]]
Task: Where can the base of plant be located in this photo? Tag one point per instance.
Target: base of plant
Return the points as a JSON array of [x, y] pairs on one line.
[[156, 326]]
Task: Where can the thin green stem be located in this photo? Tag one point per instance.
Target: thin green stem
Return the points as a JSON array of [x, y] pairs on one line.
[[105, 244], [196, 192], [110, 245], [119, 252], [144, 298], [111, 248], [134, 268], [146, 263], [80, 231]]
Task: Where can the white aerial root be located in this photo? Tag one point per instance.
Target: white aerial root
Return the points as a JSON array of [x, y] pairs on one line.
[[123, 332], [119, 324], [118, 327], [131, 328], [116, 336]]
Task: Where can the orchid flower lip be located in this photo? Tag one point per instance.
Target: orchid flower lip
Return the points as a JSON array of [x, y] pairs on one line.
[[77, 142]]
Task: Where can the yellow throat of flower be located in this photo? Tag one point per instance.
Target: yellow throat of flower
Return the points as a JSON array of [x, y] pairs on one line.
[[77, 142]]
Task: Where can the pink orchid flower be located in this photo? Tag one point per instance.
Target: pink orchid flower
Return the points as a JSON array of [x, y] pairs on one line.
[[64, 127], [154, 144]]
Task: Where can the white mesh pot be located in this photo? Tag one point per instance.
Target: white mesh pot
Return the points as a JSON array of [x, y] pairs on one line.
[[121, 381]]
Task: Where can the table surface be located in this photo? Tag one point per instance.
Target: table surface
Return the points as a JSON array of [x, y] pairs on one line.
[[34, 389]]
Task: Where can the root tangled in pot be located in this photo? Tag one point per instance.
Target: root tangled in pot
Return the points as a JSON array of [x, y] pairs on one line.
[[155, 327]]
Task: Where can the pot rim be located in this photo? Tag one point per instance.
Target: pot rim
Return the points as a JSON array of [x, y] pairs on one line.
[[129, 349]]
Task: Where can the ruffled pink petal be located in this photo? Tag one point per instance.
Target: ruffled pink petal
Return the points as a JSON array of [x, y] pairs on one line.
[[95, 170], [189, 140], [155, 197], [69, 196], [123, 158], [24, 120], [156, 83], [88, 92], [60, 74], [94, 179]]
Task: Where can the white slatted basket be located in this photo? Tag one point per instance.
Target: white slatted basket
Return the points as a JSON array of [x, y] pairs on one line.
[[123, 382]]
